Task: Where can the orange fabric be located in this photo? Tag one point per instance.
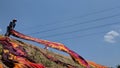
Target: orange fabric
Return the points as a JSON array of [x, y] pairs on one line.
[[93, 64], [1, 66], [80, 60], [13, 54]]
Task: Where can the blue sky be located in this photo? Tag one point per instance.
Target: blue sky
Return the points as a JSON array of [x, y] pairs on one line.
[[89, 27]]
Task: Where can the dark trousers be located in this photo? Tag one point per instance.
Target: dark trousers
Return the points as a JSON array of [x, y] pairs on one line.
[[8, 31]]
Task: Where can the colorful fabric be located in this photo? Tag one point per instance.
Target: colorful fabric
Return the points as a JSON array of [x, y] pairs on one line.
[[76, 57], [15, 56]]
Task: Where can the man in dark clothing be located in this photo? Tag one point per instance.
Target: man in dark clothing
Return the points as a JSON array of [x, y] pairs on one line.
[[12, 24], [10, 27]]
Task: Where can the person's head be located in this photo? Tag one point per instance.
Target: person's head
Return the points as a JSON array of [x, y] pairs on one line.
[[14, 20]]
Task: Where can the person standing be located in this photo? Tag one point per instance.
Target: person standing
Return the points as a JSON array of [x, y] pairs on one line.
[[11, 26]]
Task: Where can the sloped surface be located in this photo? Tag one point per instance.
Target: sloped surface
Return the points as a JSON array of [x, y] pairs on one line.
[[35, 56]]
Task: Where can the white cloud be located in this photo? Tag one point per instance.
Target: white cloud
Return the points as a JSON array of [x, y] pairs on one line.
[[111, 36]]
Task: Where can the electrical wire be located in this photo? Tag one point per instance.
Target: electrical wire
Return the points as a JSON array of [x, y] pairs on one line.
[[76, 24], [82, 16], [84, 29], [82, 36]]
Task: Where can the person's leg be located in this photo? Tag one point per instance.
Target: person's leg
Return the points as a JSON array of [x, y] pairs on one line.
[[7, 31]]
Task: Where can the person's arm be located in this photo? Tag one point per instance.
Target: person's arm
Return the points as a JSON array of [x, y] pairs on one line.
[[14, 23]]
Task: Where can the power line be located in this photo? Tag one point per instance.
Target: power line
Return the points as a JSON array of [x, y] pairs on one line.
[[84, 29], [81, 36], [76, 24], [82, 16]]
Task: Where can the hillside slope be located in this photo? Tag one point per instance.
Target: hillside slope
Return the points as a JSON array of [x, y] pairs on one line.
[[15, 54], [37, 54]]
